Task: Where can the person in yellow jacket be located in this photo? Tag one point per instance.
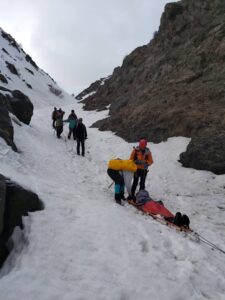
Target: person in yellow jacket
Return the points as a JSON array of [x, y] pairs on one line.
[[142, 157], [121, 172]]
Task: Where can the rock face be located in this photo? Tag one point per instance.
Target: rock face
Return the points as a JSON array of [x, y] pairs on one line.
[[174, 86], [206, 153], [91, 89], [15, 202], [6, 128], [18, 104]]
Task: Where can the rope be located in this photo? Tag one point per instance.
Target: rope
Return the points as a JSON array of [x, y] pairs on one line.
[[207, 242], [183, 229]]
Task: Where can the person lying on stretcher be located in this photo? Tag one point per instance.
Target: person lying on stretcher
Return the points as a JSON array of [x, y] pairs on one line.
[[145, 203]]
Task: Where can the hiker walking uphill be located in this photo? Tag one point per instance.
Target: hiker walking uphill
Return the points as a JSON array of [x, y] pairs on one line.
[[121, 171], [142, 156], [72, 120], [59, 122], [54, 114], [81, 136]]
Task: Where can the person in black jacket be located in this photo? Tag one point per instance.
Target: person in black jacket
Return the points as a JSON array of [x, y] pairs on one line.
[[81, 134], [54, 114]]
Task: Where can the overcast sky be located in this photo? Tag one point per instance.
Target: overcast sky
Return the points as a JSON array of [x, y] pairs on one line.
[[80, 41]]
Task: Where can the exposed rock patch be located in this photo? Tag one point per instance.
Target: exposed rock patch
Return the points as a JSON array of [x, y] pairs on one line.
[[15, 202], [18, 104], [91, 89], [12, 68], [3, 79], [30, 60]]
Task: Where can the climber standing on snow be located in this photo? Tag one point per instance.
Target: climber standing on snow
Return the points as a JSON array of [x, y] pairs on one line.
[[72, 120], [121, 172], [81, 136], [142, 157], [59, 122], [54, 114]]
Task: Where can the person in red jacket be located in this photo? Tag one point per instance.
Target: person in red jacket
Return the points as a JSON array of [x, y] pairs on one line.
[[142, 157]]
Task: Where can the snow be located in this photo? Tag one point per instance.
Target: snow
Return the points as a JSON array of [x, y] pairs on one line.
[[85, 246]]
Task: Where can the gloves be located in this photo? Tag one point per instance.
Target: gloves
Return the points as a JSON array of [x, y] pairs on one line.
[[145, 165]]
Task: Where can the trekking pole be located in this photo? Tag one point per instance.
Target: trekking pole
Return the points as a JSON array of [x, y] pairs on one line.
[[110, 185]]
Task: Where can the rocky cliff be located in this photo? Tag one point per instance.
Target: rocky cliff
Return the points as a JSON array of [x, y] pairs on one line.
[[174, 86]]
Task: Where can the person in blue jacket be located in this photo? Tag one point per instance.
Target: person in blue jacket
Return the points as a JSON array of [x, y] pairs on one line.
[[72, 120]]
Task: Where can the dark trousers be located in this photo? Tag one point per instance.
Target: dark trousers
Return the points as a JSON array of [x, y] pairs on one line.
[[80, 142], [53, 123], [72, 131], [139, 174], [115, 176], [119, 184], [59, 130]]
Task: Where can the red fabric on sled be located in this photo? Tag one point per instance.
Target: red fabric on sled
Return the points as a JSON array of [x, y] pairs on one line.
[[156, 209]]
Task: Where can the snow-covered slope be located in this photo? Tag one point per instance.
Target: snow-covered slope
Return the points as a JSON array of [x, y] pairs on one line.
[[25, 75], [85, 246]]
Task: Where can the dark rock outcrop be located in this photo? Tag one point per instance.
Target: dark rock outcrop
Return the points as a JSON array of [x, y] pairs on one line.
[[11, 40], [174, 86], [206, 153], [15, 202], [30, 60], [91, 89], [3, 79], [12, 68], [21, 106], [6, 128], [18, 104]]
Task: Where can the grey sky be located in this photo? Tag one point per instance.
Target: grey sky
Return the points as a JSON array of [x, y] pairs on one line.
[[79, 41]]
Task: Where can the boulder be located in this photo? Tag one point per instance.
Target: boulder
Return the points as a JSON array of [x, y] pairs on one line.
[[206, 153], [22, 106], [6, 128], [15, 202]]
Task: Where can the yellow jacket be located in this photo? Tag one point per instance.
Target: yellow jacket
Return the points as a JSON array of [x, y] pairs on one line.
[[122, 165]]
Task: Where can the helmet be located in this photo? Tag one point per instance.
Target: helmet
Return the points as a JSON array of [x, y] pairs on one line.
[[142, 143]]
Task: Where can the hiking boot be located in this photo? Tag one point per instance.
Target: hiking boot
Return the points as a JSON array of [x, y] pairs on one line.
[[185, 221], [178, 220], [122, 196], [118, 199], [119, 202], [131, 197]]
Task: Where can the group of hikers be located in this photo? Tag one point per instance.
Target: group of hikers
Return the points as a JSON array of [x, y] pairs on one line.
[[76, 128], [122, 172]]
